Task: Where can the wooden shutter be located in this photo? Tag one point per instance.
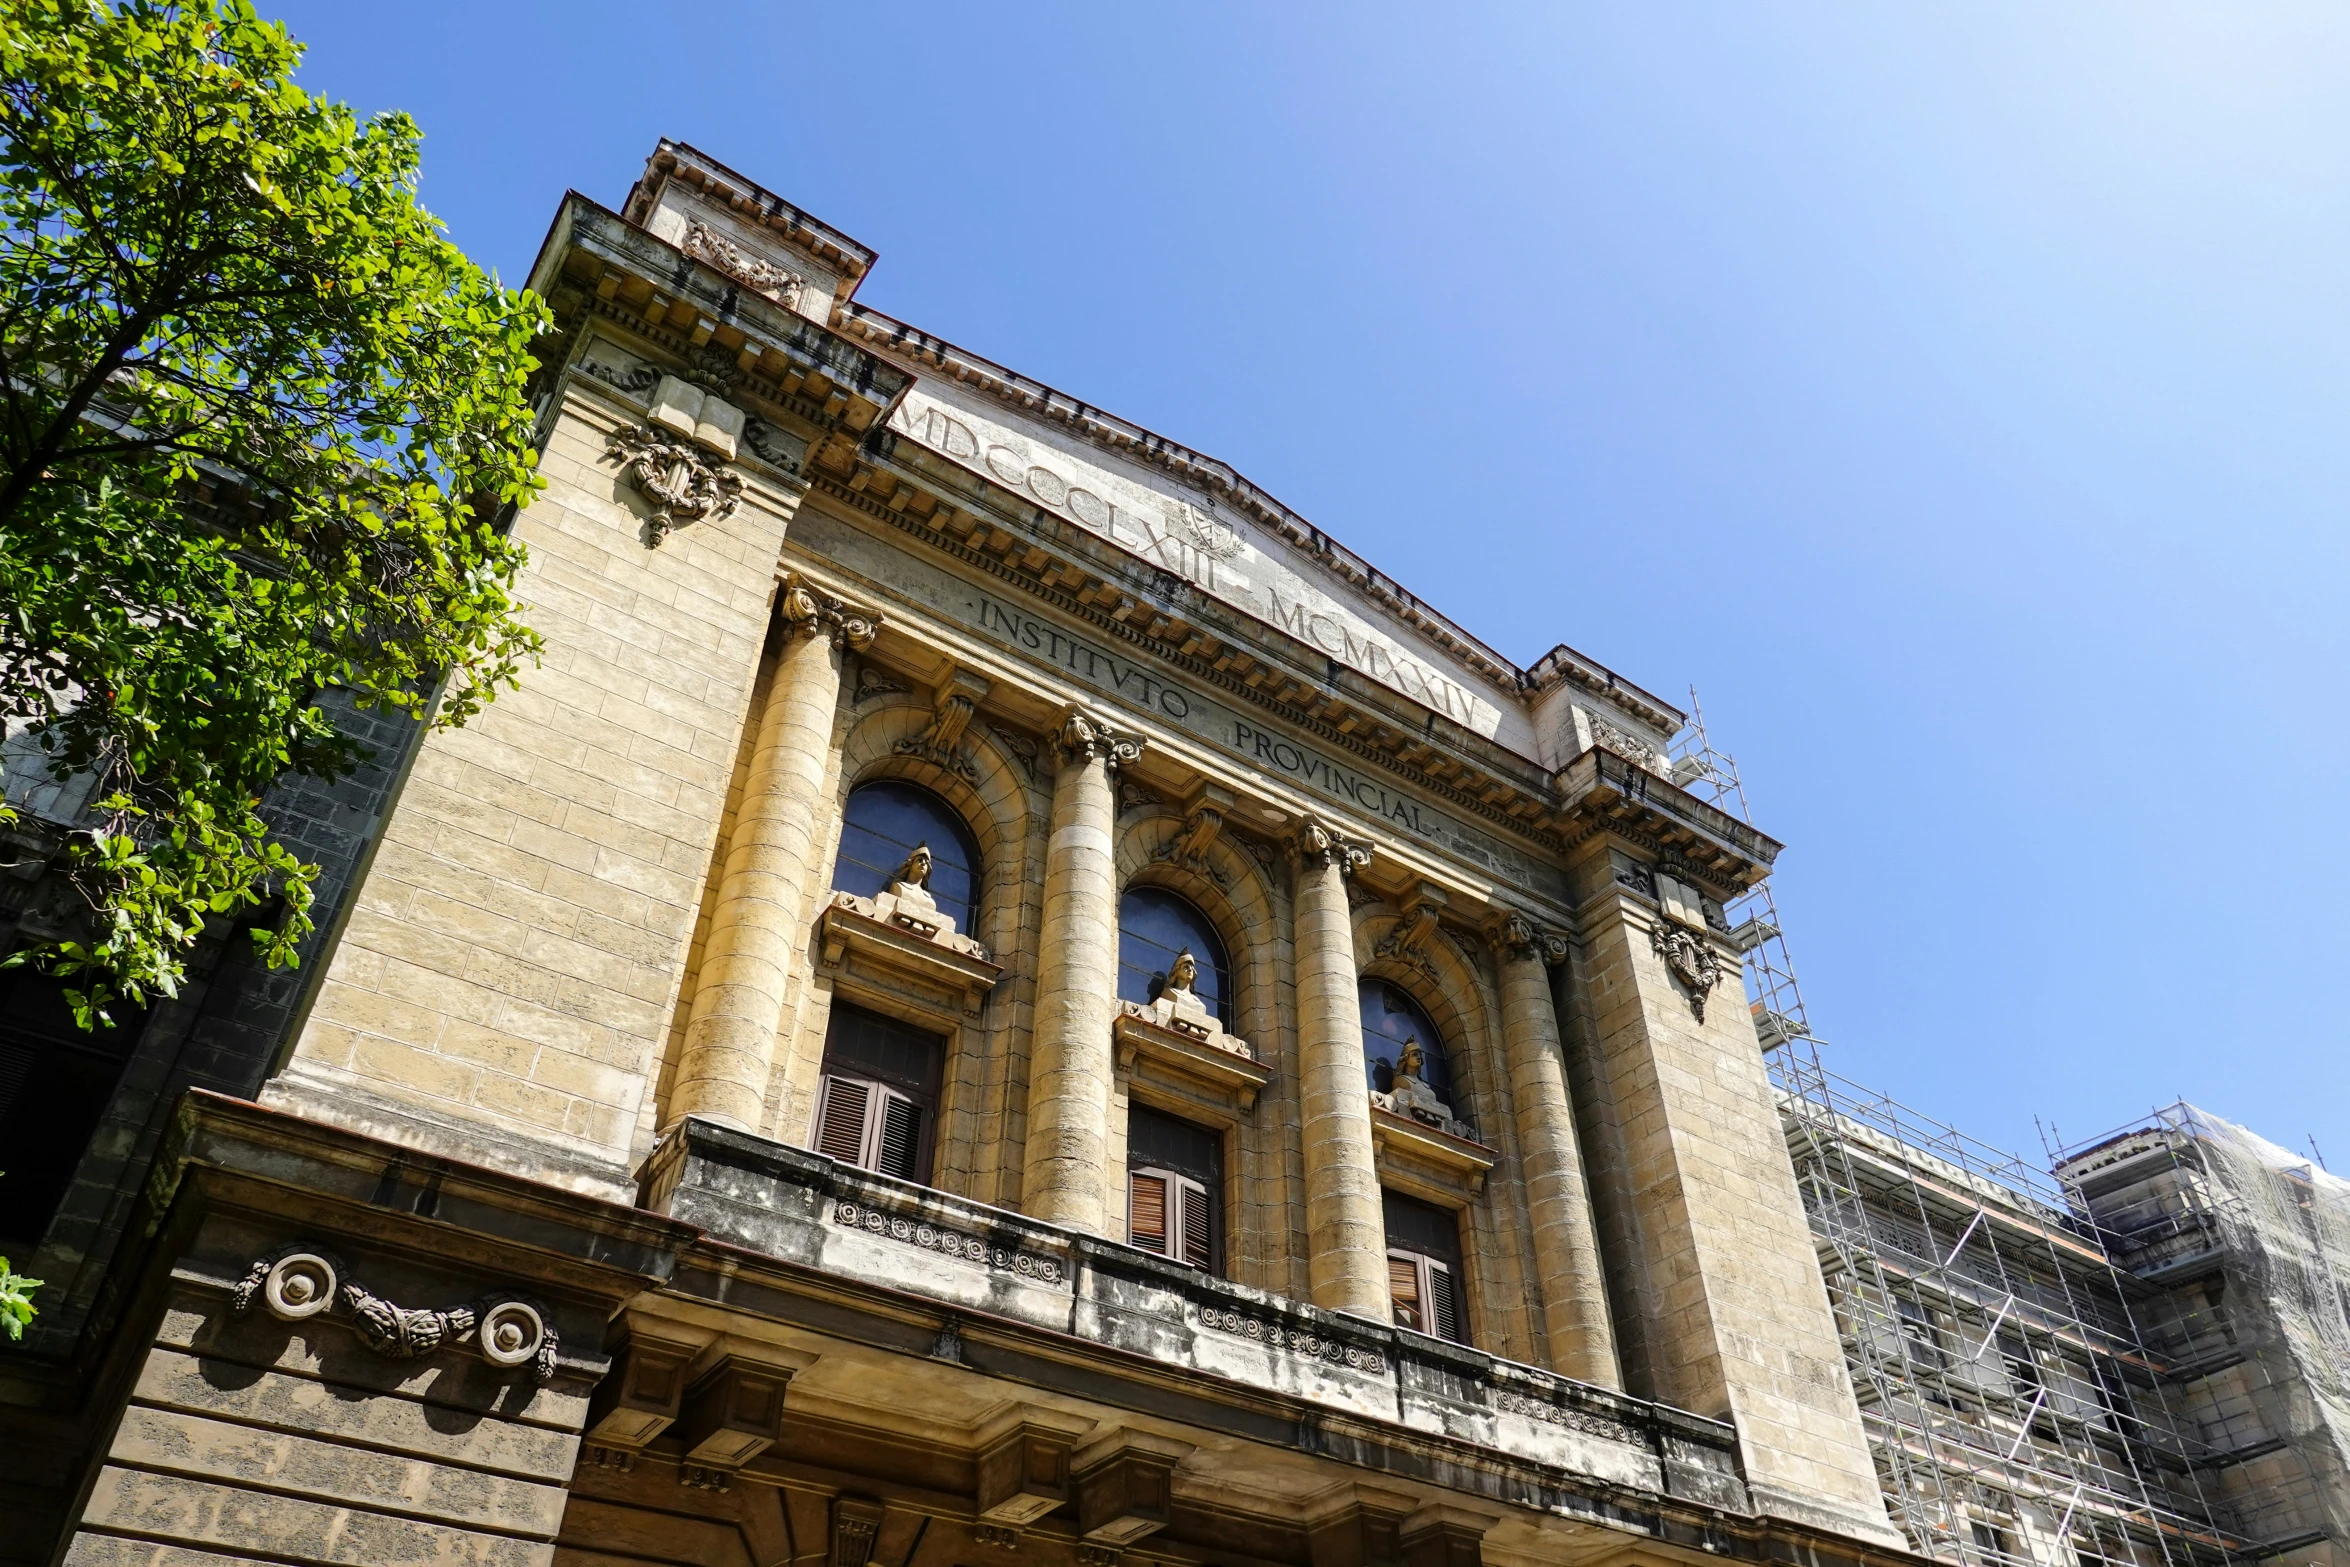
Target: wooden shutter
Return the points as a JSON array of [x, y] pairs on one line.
[[1196, 1249], [901, 1137], [1146, 1212], [840, 1119], [1403, 1286], [1444, 1297]]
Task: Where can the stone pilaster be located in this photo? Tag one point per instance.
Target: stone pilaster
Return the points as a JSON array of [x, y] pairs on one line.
[[1558, 1199], [758, 922], [1732, 1317], [1070, 1074], [1346, 1232]]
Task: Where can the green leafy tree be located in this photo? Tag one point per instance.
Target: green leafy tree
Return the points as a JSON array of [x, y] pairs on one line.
[[259, 421], [16, 1300]]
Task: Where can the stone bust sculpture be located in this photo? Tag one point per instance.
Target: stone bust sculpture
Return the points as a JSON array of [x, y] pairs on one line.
[[1411, 1061], [916, 871], [1185, 971]]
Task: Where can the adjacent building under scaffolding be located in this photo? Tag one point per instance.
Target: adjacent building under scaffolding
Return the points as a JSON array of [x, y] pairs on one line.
[[2141, 1357]]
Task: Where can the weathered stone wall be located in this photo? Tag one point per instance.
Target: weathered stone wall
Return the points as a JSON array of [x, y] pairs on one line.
[[509, 973]]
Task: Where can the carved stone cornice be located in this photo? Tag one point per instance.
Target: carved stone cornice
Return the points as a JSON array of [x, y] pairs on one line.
[[681, 482], [1087, 737], [1316, 843], [807, 610]]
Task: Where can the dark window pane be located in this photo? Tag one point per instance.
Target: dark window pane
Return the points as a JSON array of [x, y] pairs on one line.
[[866, 1044], [55, 1083], [1390, 1020], [1153, 926], [881, 826], [1422, 1227], [1162, 1142]]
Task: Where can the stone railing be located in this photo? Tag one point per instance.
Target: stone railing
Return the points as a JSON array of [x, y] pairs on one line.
[[805, 1209]]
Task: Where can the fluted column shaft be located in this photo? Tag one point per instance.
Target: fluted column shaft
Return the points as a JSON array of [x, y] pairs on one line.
[[1558, 1196], [1345, 1228], [1070, 1065], [772, 856]]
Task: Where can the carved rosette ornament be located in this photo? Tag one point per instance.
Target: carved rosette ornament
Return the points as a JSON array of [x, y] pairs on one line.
[[297, 1283], [1690, 959], [679, 481], [1318, 843], [1083, 737], [807, 610]]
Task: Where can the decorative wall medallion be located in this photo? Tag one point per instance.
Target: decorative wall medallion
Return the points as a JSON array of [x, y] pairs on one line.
[[1019, 747], [872, 682], [1689, 960], [760, 276], [297, 1283], [679, 481], [1302, 1341], [950, 1243]]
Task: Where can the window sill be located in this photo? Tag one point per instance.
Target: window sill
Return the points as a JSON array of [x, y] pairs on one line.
[[1420, 1161], [904, 957], [1224, 1075]]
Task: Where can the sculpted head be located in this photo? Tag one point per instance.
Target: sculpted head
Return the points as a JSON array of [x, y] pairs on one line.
[[916, 871], [1409, 1063], [1184, 975]]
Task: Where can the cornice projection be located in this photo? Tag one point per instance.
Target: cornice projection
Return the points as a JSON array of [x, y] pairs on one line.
[[595, 261]]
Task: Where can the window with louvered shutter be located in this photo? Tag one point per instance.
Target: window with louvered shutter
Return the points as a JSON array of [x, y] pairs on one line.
[[1403, 1287], [1443, 1301], [840, 1125], [1146, 1211], [1198, 1246], [901, 1137]]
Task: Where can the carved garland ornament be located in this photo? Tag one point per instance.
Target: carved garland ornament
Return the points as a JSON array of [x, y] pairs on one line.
[[1690, 960], [301, 1282], [760, 276], [809, 610], [680, 482]]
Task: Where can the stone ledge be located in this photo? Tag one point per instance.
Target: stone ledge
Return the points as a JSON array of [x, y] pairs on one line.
[[1219, 1072], [905, 950], [874, 1232]]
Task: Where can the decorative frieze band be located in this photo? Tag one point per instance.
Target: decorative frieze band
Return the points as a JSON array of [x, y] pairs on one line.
[[299, 1282], [950, 1243], [1301, 1341], [807, 610]]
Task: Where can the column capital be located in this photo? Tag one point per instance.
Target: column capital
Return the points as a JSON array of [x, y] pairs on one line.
[[1517, 936], [1318, 843], [1088, 737], [807, 610]]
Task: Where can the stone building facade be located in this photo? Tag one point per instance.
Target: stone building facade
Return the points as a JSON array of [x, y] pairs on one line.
[[998, 997]]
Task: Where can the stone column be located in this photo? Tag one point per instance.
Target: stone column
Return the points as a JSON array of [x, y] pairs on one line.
[[771, 858], [1070, 1065], [1345, 1230], [1558, 1198]]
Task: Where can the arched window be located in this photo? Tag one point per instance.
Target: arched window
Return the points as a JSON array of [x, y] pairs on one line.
[[1153, 926], [883, 823], [1392, 1020]]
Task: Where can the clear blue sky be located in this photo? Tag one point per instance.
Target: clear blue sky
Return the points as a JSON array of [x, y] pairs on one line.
[[1956, 395]]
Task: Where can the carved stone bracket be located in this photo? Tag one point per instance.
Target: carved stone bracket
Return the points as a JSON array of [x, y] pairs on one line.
[[1086, 737], [1409, 943], [299, 1282], [1203, 823], [1690, 960], [855, 1522], [1318, 843], [807, 610], [942, 741], [680, 482]]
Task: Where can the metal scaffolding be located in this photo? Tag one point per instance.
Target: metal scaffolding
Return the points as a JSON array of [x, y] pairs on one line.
[[2015, 1411]]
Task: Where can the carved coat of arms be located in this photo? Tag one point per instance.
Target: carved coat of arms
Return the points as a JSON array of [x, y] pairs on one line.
[[678, 480]]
